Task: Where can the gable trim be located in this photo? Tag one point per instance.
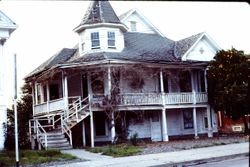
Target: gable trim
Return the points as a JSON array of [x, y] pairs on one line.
[[144, 19], [215, 45]]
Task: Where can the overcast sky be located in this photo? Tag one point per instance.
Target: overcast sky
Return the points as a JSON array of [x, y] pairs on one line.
[[45, 27]]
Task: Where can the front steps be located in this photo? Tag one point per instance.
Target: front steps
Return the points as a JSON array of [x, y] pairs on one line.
[[56, 140]]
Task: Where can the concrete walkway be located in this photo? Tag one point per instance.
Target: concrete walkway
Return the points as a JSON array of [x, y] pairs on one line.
[[86, 155], [163, 158]]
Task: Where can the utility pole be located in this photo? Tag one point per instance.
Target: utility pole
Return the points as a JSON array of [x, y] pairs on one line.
[[15, 111]]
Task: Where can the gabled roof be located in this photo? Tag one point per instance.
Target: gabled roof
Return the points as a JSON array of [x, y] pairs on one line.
[[7, 23], [126, 15], [99, 12], [182, 46]]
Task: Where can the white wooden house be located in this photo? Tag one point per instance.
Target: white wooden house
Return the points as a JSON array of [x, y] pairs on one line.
[[157, 85], [7, 26]]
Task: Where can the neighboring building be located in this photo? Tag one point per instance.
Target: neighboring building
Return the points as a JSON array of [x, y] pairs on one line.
[[7, 26], [158, 85]]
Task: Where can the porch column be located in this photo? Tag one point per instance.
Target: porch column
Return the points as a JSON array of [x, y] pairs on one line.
[[48, 94], [210, 131], [36, 98], [109, 97], [33, 98], [205, 79], [193, 87], [83, 134], [164, 126], [163, 112], [195, 124], [90, 111], [65, 90]]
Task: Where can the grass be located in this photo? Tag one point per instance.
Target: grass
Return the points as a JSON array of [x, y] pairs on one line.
[[119, 150], [30, 157]]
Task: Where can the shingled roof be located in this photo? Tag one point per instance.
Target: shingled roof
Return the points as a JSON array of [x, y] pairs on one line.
[[61, 57], [95, 14], [139, 47], [182, 46]]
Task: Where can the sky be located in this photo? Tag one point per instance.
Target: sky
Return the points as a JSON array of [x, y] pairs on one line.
[[45, 27]]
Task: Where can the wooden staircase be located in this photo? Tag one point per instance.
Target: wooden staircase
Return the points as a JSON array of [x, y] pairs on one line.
[[58, 135]]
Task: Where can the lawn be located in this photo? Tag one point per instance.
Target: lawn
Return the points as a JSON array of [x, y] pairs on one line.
[[119, 150], [33, 157]]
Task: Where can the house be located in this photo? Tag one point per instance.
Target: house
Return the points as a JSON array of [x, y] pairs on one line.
[[7, 26], [124, 77]]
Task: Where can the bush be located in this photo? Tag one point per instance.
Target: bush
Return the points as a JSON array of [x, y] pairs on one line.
[[134, 139]]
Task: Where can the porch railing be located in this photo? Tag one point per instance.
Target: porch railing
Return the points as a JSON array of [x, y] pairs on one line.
[[54, 105], [155, 98]]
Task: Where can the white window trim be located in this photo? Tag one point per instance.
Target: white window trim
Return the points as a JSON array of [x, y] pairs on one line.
[[95, 47]]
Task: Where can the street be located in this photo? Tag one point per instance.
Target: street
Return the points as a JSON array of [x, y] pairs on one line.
[[240, 161]]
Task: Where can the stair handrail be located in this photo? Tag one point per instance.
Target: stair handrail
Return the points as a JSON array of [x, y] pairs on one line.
[[66, 129], [41, 133], [77, 108]]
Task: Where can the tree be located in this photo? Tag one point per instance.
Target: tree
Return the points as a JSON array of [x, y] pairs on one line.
[[228, 84], [24, 113]]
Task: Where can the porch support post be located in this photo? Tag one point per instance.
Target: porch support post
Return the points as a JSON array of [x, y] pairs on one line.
[[112, 116], [195, 124], [193, 87], [90, 111], [48, 95], [163, 112], [210, 131], [36, 98], [83, 134], [164, 125], [92, 128], [65, 90], [205, 79], [33, 98]]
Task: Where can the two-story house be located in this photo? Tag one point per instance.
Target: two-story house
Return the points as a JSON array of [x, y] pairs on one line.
[[123, 75], [7, 26]]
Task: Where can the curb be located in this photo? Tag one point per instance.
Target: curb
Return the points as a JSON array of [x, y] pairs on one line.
[[202, 161]]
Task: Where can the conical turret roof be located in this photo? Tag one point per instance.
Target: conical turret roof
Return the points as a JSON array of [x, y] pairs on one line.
[[99, 12]]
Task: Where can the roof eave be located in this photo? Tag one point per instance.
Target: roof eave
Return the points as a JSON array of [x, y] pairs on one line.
[[80, 28]]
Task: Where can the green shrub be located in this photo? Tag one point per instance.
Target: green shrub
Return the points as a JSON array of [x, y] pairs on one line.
[[134, 139]]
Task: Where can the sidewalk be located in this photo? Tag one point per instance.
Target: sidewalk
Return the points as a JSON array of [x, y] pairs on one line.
[[166, 158]]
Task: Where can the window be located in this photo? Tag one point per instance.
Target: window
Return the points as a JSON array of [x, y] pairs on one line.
[[188, 119], [95, 40], [185, 81], [133, 26], [205, 122], [45, 93], [111, 39]]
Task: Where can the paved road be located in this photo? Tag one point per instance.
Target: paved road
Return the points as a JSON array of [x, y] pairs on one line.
[[234, 162]]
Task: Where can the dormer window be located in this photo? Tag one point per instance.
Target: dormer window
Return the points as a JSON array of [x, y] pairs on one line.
[[133, 26], [95, 40], [111, 39]]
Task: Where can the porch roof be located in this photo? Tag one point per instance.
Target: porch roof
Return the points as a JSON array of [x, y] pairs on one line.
[[139, 47]]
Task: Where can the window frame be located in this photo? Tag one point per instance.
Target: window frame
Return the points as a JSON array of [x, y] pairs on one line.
[[111, 39], [95, 37], [188, 120]]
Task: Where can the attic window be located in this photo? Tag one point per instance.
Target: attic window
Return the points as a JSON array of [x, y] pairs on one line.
[[111, 39], [95, 40], [133, 26]]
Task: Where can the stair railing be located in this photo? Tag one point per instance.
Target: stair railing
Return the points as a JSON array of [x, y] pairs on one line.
[[40, 131], [66, 129]]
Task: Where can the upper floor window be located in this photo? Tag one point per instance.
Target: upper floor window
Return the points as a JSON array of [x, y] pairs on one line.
[[111, 39], [133, 26], [95, 40]]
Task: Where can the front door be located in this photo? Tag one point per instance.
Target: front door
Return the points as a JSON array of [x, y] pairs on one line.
[[155, 126]]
